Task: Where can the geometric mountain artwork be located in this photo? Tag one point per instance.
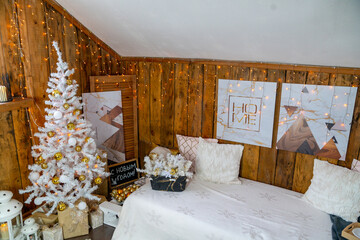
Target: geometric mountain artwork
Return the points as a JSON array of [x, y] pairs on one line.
[[329, 150], [104, 111], [299, 138], [321, 123], [245, 111]]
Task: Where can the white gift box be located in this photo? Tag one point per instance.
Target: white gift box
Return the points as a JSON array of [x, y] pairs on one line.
[[53, 233], [96, 218], [111, 213]]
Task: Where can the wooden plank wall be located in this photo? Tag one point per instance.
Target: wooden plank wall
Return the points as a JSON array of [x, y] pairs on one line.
[[179, 97], [175, 96], [27, 29]]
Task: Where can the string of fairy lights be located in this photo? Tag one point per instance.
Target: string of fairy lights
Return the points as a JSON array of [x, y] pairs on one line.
[[102, 63]]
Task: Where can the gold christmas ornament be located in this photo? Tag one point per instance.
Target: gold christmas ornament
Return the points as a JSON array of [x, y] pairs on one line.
[[68, 82], [85, 159], [55, 93], [58, 156], [114, 192], [77, 112], [61, 206], [98, 180], [87, 139], [78, 148], [44, 166], [173, 171], [39, 160], [70, 126], [82, 177], [51, 134], [66, 106], [55, 180]]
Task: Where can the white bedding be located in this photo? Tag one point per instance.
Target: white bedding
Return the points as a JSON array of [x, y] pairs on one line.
[[206, 210]]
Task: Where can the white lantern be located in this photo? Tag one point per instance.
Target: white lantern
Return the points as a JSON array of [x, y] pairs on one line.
[[31, 229], [10, 217]]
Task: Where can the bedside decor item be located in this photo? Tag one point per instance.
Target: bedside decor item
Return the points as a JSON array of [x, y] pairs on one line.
[[352, 231], [96, 218], [219, 163], [167, 173], [111, 213], [341, 184], [245, 111], [10, 216], [3, 95], [31, 229]]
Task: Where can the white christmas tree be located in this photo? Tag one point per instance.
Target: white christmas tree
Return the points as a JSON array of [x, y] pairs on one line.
[[68, 165]]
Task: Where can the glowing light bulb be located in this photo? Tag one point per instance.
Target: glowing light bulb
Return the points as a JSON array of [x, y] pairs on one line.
[[293, 99], [336, 97], [287, 88], [326, 114], [345, 105], [238, 84], [267, 97], [264, 106]]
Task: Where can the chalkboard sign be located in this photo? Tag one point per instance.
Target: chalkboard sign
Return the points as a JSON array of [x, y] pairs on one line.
[[122, 173]]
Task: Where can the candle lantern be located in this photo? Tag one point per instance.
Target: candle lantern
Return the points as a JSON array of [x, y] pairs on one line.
[[31, 229], [10, 217]]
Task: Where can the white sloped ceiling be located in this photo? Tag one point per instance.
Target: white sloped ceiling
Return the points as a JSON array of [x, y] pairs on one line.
[[313, 32]]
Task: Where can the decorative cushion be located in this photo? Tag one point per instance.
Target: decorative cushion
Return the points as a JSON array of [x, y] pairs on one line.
[[218, 163], [355, 166], [335, 190], [188, 147]]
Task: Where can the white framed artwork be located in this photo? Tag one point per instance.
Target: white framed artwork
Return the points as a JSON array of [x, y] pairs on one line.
[[104, 111], [245, 111], [316, 119]]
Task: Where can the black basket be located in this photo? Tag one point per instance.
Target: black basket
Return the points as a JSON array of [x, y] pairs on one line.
[[161, 183]]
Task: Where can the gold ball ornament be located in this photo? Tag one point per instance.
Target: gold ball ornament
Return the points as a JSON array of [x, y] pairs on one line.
[[78, 148], [82, 177], [114, 192], [58, 156], [44, 166], [173, 171], [55, 180], [70, 126], [51, 134], [132, 190], [77, 112], [61, 206], [66, 106], [87, 139], [85, 159], [39, 160], [55, 93], [68, 82], [98, 180]]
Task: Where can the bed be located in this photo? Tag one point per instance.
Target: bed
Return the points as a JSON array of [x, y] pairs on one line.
[[207, 210]]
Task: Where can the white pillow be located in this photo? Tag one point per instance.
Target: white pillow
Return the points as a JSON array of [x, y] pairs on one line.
[[218, 163], [335, 190]]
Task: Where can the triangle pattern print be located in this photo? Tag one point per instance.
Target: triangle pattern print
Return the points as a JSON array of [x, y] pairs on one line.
[[305, 90], [329, 125], [339, 125], [329, 150], [290, 109], [334, 139], [299, 138]]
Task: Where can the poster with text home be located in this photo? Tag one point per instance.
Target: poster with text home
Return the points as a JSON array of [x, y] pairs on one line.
[[245, 111]]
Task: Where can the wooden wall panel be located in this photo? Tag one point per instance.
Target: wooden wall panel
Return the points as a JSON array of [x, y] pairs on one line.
[[175, 96]]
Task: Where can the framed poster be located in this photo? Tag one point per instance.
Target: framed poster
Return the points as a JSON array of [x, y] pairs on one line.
[[245, 111], [316, 119], [104, 111]]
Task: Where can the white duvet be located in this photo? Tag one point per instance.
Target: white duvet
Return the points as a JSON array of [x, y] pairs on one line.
[[206, 210]]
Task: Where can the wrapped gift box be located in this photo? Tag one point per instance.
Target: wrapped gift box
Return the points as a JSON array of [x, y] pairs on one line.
[[52, 233], [96, 218], [74, 221]]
